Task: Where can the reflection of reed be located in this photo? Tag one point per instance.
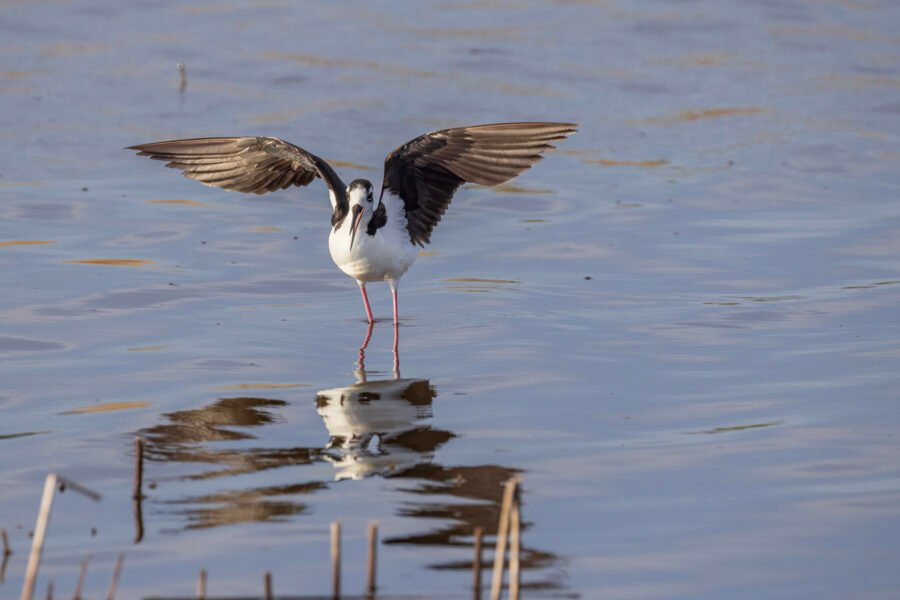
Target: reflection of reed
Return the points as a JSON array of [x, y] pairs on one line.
[[481, 483]]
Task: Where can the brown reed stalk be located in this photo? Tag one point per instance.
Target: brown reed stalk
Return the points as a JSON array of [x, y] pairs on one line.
[[6, 554], [114, 582], [43, 520], [267, 585], [137, 490], [40, 533], [509, 493], [371, 558], [476, 563], [336, 559], [65, 484], [3, 562], [137, 506], [81, 576], [201, 585], [514, 548]]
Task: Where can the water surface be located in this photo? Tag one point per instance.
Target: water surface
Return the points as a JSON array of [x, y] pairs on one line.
[[681, 328]]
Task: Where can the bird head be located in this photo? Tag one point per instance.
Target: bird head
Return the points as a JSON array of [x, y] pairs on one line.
[[362, 205]]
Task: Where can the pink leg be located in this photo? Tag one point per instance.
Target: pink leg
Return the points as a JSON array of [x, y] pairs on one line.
[[365, 297]]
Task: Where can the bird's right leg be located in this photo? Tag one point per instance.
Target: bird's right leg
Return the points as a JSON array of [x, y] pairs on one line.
[[365, 297]]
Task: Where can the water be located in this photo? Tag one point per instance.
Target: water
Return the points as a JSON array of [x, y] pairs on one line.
[[681, 328]]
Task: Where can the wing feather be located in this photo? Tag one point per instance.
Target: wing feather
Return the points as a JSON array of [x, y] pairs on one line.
[[426, 171], [246, 164]]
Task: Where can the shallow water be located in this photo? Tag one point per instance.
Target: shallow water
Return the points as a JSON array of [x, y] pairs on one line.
[[681, 328]]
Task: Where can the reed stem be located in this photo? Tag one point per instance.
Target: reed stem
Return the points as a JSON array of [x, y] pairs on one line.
[[201, 585], [476, 563], [371, 559], [40, 533], [81, 576], [509, 493], [514, 549], [114, 583], [336, 559]]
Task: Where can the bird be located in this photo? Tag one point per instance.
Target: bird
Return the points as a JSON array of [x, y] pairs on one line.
[[371, 241]]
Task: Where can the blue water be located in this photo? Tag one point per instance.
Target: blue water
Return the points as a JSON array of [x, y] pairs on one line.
[[681, 328]]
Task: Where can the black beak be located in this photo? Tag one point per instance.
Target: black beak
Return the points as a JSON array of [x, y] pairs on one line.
[[357, 217]]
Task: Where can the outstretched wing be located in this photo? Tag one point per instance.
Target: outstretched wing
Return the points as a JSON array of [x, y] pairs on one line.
[[245, 164], [426, 171]]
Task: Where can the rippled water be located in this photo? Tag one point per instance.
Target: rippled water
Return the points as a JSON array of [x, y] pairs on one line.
[[681, 328]]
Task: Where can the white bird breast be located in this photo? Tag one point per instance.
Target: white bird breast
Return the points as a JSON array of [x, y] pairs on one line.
[[387, 255]]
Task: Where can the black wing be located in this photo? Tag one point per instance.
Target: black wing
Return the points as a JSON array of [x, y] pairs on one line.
[[426, 171], [246, 164]]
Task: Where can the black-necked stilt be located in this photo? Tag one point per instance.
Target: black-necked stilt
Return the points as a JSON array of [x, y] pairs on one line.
[[371, 241]]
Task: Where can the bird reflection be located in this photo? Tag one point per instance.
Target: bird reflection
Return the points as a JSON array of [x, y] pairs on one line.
[[379, 427], [376, 427]]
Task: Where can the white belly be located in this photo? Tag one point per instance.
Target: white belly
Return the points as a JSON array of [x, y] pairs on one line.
[[383, 256]]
